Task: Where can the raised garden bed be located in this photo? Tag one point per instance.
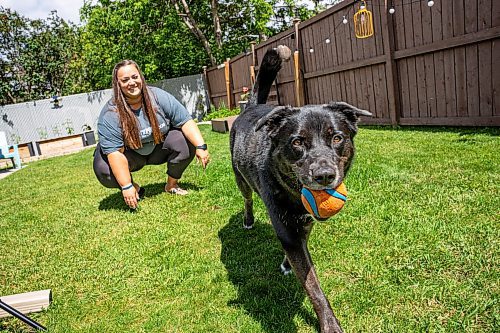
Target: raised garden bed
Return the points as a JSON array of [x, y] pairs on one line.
[[56, 146], [223, 125]]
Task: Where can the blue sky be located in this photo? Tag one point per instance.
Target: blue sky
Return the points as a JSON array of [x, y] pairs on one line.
[[40, 9], [67, 9]]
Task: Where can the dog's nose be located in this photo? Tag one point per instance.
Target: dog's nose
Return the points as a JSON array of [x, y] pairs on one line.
[[324, 178]]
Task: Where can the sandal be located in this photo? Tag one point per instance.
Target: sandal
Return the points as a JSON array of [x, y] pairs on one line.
[[177, 191]]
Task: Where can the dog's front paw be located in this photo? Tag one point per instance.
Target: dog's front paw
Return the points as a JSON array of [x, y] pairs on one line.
[[248, 221], [285, 270]]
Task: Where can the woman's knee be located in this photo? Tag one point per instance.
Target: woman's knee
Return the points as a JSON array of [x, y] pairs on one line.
[[181, 148], [102, 170]]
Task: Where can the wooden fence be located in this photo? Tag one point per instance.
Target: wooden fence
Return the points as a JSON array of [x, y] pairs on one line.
[[424, 65]]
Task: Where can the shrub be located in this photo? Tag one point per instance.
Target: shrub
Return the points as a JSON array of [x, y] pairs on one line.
[[222, 112]]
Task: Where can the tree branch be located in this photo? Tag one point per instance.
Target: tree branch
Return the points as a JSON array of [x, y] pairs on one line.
[[217, 28], [191, 24]]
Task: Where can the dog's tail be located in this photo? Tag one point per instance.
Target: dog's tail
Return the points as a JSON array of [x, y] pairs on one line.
[[268, 70]]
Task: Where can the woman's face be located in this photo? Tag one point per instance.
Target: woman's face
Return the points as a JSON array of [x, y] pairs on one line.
[[130, 81]]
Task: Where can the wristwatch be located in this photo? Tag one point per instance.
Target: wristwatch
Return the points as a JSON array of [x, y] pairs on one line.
[[202, 147]]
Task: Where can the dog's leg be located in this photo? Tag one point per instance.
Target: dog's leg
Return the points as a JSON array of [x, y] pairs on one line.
[[249, 219], [247, 192], [303, 267], [297, 253], [285, 266]]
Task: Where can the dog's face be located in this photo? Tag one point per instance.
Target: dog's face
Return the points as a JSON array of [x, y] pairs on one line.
[[313, 144]]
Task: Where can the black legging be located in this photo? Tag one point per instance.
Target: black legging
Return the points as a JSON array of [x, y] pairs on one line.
[[176, 151]]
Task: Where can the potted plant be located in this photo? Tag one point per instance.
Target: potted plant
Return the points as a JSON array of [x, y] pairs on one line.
[[88, 135], [244, 99]]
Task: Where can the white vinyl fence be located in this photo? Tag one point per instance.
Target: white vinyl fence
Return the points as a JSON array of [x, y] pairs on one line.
[[41, 120]]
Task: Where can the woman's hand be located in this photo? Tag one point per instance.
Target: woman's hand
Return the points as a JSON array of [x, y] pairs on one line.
[[203, 157], [131, 197], [119, 166], [193, 134]]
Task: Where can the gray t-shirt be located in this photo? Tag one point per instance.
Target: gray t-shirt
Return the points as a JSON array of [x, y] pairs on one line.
[[170, 113]]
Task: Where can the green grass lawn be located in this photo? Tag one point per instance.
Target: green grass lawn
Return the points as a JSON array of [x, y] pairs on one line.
[[416, 248]]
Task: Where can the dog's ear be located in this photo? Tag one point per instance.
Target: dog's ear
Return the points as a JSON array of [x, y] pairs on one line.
[[275, 118], [351, 113]]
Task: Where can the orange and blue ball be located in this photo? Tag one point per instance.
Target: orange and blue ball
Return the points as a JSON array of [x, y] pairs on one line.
[[323, 204]]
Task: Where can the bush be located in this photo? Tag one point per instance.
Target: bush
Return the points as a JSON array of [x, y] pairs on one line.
[[222, 112]]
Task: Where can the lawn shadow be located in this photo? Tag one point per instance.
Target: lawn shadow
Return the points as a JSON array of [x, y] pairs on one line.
[[115, 201], [252, 259]]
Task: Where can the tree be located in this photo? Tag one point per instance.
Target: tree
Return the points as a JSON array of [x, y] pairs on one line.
[[147, 31], [236, 23], [12, 28], [38, 58]]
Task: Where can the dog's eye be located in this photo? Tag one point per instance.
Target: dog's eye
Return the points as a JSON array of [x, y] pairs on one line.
[[297, 142], [337, 139]]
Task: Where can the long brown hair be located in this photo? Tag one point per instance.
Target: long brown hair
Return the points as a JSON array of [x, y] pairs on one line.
[[128, 121]]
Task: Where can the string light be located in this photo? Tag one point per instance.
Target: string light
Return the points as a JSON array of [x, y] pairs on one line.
[[403, 3], [392, 10], [327, 39]]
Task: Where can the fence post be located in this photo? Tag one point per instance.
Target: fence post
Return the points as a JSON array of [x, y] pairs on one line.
[[254, 57], [298, 78], [252, 67], [296, 22], [227, 73], [390, 65], [296, 70], [207, 83]]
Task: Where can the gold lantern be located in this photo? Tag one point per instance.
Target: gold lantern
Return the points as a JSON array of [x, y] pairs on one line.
[[363, 22]]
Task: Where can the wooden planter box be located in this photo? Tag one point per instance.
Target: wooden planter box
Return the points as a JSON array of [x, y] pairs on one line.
[[57, 146], [223, 125]]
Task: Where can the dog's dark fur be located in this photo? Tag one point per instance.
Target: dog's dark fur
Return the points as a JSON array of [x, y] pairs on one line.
[[278, 150]]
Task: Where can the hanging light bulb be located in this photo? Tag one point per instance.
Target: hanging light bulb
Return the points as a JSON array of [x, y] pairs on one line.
[[311, 50], [327, 41], [392, 10], [344, 20], [430, 3]]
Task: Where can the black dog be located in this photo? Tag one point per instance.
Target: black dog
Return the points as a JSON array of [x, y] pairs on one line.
[[278, 150]]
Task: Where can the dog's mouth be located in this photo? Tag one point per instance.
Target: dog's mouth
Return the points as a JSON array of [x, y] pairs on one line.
[[321, 182], [320, 171]]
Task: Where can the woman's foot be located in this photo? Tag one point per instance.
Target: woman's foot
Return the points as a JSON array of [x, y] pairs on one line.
[[176, 190], [172, 187]]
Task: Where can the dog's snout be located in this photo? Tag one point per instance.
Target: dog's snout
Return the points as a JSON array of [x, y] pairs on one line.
[[323, 171], [324, 178]]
